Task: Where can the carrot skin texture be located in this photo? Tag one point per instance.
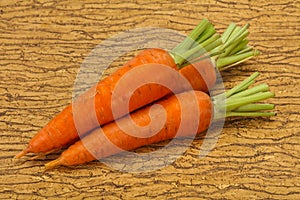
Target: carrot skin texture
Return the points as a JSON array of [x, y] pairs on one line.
[[95, 142], [201, 75], [61, 130]]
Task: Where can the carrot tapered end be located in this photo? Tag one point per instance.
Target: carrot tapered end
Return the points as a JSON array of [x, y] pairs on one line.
[[53, 163], [40, 155], [22, 153]]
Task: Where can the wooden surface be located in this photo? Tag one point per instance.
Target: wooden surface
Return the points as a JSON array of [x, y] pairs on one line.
[[42, 45]]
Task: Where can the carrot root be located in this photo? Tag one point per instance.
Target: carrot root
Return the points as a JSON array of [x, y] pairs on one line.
[[22, 153], [40, 155], [53, 164], [227, 50]]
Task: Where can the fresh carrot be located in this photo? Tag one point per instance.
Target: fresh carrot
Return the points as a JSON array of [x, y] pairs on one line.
[[61, 130], [95, 145]]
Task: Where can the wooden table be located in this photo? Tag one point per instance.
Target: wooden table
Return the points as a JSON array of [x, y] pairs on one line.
[[42, 45]]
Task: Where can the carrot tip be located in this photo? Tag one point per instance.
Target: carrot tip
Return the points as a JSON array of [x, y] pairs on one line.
[[36, 157], [53, 163], [22, 153], [40, 155]]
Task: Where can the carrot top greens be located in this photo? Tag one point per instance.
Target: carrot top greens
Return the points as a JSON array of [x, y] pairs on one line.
[[240, 100], [228, 49]]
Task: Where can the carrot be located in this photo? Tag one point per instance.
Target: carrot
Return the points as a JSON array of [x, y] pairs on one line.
[[96, 146], [62, 131]]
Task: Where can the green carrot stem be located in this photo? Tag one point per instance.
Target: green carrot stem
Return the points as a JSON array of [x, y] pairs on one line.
[[206, 50], [246, 86], [213, 45], [232, 36], [239, 47], [204, 40], [255, 107], [236, 35], [234, 32], [198, 50], [204, 47], [198, 59], [191, 38], [235, 47], [210, 40], [228, 32], [234, 103], [210, 55], [206, 34], [241, 35], [238, 87], [245, 49], [235, 59], [259, 88], [235, 42], [243, 102]]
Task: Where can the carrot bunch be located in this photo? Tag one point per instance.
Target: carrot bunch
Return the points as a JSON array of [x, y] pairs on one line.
[[111, 139], [189, 59]]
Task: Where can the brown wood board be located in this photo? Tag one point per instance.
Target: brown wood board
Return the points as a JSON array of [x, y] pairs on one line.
[[42, 45]]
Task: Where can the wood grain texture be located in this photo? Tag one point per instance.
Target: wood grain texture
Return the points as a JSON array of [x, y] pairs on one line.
[[42, 45]]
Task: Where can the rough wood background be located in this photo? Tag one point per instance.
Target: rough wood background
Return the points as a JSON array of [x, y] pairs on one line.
[[42, 45]]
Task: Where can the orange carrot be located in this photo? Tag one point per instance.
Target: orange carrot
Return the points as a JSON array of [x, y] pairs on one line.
[[96, 146], [61, 130], [100, 147]]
